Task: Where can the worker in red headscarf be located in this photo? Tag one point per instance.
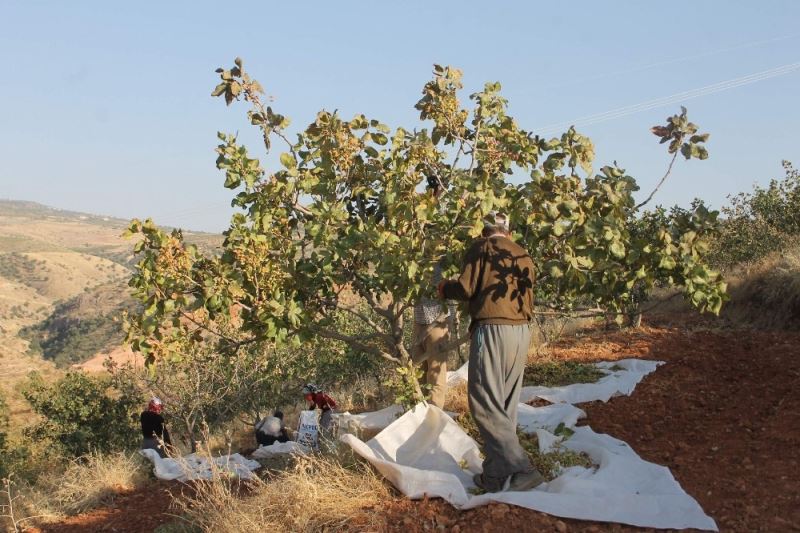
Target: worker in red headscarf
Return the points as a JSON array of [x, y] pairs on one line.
[[154, 433], [320, 400]]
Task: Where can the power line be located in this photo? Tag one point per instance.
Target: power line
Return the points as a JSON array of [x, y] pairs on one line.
[[671, 99], [596, 118], [672, 61]]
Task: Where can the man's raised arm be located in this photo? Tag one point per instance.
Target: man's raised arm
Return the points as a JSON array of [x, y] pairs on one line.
[[467, 284]]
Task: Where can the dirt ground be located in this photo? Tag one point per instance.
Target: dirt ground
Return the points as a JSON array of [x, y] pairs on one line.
[[134, 512], [723, 415]]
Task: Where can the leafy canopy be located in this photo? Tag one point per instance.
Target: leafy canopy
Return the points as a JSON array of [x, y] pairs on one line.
[[358, 215]]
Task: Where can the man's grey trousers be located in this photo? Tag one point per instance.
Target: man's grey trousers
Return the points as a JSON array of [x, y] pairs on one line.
[[497, 359]]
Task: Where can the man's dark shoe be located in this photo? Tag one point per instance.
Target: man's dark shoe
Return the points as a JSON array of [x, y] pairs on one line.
[[522, 481], [482, 484]]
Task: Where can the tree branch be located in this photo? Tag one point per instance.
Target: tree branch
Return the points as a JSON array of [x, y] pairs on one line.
[[354, 342], [660, 183]]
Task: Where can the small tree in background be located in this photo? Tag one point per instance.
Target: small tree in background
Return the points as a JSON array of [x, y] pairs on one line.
[[357, 217], [760, 222], [82, 414], [203, 390]]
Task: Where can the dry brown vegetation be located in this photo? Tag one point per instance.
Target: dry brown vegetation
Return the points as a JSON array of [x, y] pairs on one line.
[[320, 493], [85, 484], [767, 295]]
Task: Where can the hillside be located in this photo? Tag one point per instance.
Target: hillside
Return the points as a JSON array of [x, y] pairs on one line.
[[63, 278]]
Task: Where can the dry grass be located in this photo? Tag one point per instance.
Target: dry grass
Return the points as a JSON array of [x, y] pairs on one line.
[[321, 493], [457, 399], [768, 294], [765, 295], [87, 483]]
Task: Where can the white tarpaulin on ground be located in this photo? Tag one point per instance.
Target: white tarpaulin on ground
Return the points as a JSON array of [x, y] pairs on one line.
[[365, 422], [621, 381], [280, 448], [622, 378], [457, 376], [426, 453], [194, 466]]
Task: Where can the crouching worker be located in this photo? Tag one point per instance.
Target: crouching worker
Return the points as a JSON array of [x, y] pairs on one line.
[[154, 432], [320, 400], [497, 281], [271, 430]]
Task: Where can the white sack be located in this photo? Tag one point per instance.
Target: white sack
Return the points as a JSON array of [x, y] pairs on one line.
[[308, 430], [193, 466], [280, 448]]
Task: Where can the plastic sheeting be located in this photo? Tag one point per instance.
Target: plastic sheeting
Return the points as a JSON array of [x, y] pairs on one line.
[[426, 453], [624, 377], [622, 381], [280, 448], [367, 422], [194, 466]]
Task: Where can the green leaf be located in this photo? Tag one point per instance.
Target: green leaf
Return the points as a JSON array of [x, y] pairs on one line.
[[287, 160], [667, 263]]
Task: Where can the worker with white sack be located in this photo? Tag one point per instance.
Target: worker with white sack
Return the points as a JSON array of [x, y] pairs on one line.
[[270, 430], [319, 400], [497, 282]]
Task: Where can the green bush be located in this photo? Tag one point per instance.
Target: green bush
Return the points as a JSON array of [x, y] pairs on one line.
[[759, 222], [81, 414]]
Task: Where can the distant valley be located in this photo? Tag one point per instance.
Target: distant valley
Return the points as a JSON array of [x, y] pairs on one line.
[[63, 285]]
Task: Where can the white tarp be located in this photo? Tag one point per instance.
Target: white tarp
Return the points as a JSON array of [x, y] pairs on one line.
[[617, 382], [622, 380], [365, 422], [457, 376], [426, 453], [280, 448], [194, 466]]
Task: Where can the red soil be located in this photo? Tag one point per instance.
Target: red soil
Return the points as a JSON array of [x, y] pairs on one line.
[[723, 415]]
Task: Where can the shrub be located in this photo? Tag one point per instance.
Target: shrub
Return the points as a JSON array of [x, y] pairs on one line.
[[211, 380], [81, 414], [760, 222]]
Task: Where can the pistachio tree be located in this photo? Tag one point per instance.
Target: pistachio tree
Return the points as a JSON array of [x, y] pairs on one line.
[[357, 214]]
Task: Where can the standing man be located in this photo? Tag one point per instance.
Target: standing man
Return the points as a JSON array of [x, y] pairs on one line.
[[154, 433], [497, 281], [431, 330]]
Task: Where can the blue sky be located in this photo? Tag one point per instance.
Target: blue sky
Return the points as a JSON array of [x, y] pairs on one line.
[[105, 106]]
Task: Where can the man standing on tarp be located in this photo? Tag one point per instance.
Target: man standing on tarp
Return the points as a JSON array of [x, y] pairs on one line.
[[497, 281]]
